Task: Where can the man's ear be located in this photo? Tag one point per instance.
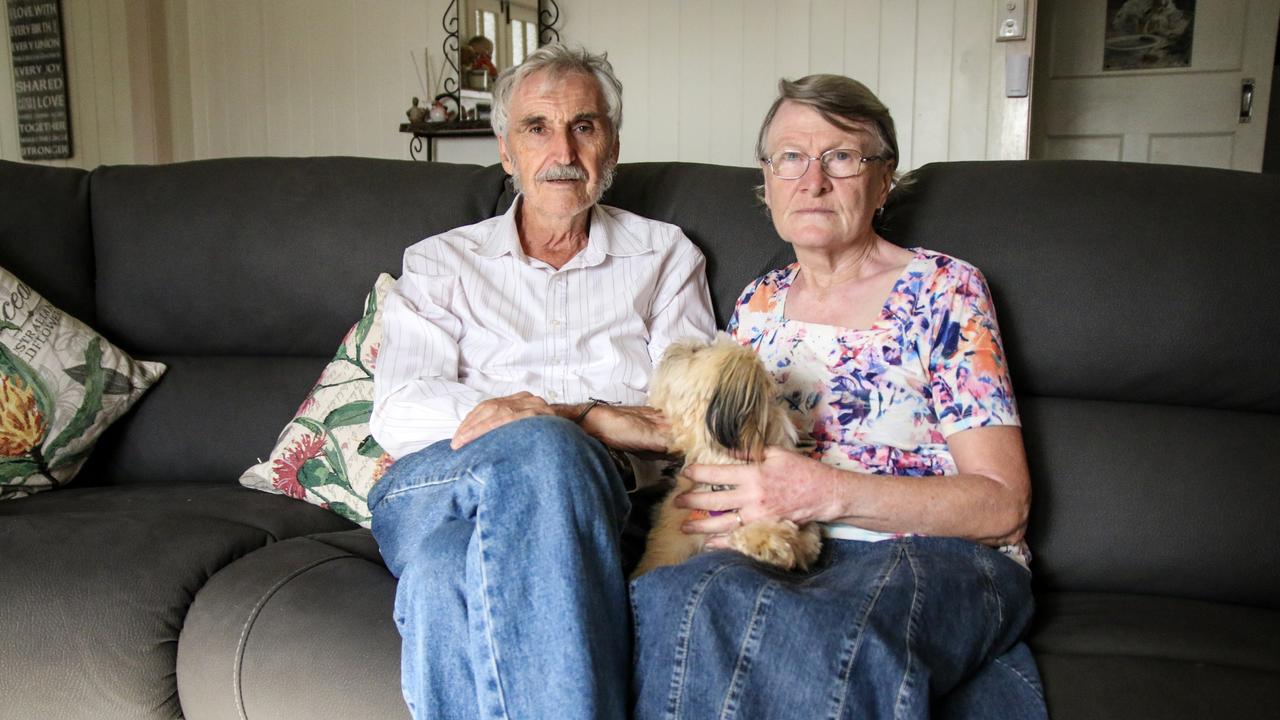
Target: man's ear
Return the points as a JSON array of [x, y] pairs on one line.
[[505, 156]]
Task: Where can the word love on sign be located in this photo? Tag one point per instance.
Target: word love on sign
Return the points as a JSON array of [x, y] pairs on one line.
[[39, 79]]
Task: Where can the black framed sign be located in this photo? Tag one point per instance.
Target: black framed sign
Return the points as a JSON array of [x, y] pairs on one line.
[[39, 78]]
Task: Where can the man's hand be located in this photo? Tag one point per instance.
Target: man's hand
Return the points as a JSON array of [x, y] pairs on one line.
[[496, 412]]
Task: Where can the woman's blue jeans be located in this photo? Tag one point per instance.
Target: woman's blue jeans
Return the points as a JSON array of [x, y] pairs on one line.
[[511, 601], [915, 627]]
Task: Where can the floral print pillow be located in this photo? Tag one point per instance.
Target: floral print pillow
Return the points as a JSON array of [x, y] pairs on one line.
[[61, 386], [325, 455]]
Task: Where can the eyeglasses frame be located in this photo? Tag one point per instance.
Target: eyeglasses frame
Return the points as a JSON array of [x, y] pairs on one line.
[[808, 160]]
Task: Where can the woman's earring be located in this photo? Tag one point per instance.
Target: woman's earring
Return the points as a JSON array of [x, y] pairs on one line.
[[880, 211]]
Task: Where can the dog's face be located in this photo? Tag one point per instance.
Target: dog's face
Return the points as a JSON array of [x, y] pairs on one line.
[[719, 400]]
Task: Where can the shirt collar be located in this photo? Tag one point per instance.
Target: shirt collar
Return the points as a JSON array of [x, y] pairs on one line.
[[607, 237]]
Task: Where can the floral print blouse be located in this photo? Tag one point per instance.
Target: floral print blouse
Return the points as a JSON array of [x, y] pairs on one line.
[[884, 399]]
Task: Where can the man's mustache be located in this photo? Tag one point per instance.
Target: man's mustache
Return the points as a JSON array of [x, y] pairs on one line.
[[561, 172]]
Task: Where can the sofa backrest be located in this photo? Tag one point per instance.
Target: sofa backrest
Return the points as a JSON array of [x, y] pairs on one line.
[[243, 275], [44, 233], [1138, 304]]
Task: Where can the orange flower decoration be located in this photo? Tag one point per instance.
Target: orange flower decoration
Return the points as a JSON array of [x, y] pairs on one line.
[[21, 425]]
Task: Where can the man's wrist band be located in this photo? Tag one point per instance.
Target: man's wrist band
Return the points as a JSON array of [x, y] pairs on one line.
[[591, 405]]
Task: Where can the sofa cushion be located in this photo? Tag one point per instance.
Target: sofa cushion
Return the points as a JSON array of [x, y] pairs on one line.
[[61, 386], [1116, 655], [47, 243], [326, 454], [95, 599], [268, 636], [210, 419], [1153, 499]]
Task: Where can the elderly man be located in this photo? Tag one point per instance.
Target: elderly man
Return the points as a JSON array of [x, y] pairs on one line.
[[515, 362]]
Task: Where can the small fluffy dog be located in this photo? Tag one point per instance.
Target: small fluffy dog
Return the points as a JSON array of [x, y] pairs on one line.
[[720, 402]]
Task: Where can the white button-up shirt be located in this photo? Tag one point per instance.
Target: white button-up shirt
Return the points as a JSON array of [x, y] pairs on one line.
[[472, 317]]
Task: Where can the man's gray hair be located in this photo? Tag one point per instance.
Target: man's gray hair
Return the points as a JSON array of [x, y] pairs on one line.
[[558, 60], [843, 102]]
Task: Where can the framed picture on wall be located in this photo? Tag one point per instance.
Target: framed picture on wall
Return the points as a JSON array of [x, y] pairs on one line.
[[1147, 34]]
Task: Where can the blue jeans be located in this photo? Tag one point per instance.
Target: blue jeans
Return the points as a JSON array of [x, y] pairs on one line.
[[907, 628], [511, 601]]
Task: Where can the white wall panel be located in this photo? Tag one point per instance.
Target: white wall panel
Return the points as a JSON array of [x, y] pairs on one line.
[[315, 77], [711, 69]]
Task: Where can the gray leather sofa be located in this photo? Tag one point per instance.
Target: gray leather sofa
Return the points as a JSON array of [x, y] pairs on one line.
[[1139, 306]]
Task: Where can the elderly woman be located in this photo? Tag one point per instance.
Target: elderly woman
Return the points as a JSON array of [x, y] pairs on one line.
[[918, 475]]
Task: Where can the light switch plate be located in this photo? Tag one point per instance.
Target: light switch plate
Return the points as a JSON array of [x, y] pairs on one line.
[[1011, 20]]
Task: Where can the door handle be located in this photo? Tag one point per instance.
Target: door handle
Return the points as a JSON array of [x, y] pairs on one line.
[[1246, 100]]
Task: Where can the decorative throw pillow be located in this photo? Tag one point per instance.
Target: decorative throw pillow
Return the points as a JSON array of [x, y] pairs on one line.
[[325, 455], [61, 386]]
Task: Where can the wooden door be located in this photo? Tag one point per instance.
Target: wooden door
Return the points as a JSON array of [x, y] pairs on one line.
[[1150, 109]]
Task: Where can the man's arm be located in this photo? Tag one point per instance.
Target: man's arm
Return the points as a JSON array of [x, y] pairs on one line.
[[417, 397], [682, 305]]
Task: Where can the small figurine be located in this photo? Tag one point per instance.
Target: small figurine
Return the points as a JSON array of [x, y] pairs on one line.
[[416, 114], [438, 112]]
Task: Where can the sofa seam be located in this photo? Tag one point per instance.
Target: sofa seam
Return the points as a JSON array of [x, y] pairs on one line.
[[1160, 658], [238, 658]]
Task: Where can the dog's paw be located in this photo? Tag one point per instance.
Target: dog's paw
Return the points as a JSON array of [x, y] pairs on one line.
[[780, 543]]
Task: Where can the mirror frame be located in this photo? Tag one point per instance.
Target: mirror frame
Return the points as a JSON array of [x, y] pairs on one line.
[[548, 16]]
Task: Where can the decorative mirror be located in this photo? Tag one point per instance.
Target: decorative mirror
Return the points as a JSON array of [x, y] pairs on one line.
[[483, 38]]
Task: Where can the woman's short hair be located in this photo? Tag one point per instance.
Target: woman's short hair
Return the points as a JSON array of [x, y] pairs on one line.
[[558, 60], [843, 102]]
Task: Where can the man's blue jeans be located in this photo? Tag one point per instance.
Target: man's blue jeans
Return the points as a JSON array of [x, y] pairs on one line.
[[512, 600], [909, 628]]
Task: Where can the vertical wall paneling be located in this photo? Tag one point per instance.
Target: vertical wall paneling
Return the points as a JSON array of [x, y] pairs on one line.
[[862, 42], [970, 80], [826, 36], [694, 80], [8, 108], [153, 80], [665, 109], [898, 71], [791, 30], [759, 76], [724, 134], [932, 103]]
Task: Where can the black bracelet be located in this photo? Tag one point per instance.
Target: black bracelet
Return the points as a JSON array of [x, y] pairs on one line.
[[590, 406]]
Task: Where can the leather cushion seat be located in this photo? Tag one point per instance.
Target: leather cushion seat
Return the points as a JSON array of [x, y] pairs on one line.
[[269, 636], [115, 570], [1145, 656]]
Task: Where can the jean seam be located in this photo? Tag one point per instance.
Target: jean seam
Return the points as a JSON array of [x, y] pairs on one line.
[[487, 611], [1035, 687], [869, 605], [993, 592], [745, 652], [913, 616], [679, 666], [418, 486]]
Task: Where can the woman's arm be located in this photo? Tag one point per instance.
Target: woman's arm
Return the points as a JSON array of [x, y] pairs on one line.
[[987, 502]]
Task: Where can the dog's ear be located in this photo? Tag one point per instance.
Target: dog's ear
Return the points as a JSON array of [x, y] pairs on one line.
[[738, 413]]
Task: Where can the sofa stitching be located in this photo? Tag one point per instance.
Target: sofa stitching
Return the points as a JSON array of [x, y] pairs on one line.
[[238, 659]]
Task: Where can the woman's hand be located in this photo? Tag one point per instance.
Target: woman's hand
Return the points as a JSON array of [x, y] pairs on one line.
[[783, 486], [643, 431]]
